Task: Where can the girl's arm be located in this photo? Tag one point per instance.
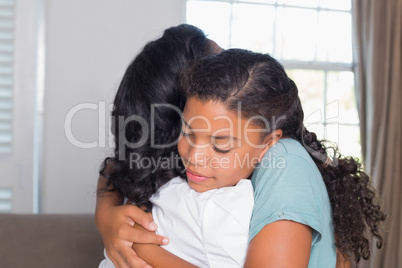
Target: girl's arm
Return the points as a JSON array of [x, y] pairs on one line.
[[280, 244], [114, 222], [158, 256]]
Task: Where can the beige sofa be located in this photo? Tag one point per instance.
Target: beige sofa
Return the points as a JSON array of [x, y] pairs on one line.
[[54, 241]]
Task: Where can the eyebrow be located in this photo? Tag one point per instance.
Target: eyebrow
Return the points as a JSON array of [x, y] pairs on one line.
[[215, 137]]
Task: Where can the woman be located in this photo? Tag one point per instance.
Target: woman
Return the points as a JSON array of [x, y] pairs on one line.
[[149, 81]]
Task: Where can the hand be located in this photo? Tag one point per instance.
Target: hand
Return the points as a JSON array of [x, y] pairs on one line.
[[115, 224], [165, 258]]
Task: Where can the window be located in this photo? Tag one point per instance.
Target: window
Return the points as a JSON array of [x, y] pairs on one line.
[[311, 38], [18, 90], [6, 73]]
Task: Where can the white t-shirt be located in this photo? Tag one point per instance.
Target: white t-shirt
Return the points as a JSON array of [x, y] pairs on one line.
[[208, 229]]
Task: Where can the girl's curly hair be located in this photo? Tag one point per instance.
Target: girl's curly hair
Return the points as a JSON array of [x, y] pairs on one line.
[[146, 119], [261, 85], [355, 205]]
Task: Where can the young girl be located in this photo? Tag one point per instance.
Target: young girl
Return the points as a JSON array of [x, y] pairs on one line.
[[306, 203]]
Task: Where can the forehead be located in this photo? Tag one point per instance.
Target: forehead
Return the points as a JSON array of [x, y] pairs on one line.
[[213, 115], [208, 113]]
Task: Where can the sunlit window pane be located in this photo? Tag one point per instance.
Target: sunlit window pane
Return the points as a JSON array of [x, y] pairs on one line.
[[310, 84], [301, 3], [296, 34], [213, 18], [249, 21], [318, 129], [334, 37], [332, 111], [336, 4], [347, 138], [332, 133], [340, 89]]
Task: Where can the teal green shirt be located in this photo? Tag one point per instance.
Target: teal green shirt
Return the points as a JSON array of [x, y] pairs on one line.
[[288, 186]]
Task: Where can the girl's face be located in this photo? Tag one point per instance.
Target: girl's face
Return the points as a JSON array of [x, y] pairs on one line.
[[218, 146]]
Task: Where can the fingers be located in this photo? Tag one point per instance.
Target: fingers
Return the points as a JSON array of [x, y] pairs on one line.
[[133, 260], [118, 234], [142, 236], [136, 234], [119, 262], [136, 262], [141, 217], [127, 259], [115, 257]]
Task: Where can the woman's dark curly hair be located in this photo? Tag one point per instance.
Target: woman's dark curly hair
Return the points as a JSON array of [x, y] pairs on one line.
[[260, 84], [146, 119]]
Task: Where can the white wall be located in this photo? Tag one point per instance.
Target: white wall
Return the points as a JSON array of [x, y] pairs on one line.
[[88, 46]]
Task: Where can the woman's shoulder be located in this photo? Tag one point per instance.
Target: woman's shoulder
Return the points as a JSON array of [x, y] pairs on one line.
[[287, 167], [289, 147], [287, 155]]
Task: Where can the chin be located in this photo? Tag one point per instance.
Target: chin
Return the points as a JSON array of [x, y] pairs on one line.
[[198, 188]]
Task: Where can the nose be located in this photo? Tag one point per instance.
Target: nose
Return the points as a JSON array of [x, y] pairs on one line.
[[198, 155]]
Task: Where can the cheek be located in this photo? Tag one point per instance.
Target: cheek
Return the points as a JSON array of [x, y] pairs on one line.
[[238, 168], [248, 159], [182, 147], [234, 165]]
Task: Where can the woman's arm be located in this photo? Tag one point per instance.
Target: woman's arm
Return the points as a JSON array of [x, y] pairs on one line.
[[114, 222], [280, 244], [158, 256]]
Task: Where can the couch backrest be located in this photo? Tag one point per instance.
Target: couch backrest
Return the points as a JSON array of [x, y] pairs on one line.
[[49, 241]]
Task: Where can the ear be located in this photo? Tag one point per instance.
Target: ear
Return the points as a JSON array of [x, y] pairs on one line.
[[270, 141]]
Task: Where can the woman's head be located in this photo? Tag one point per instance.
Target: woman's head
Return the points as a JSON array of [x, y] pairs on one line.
[[146, 122], [149, 86]]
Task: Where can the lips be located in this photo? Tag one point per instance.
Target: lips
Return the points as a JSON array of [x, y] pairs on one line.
[[191, 175]]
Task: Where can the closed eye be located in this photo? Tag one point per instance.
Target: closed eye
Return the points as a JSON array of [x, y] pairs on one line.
[[220, 151]]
